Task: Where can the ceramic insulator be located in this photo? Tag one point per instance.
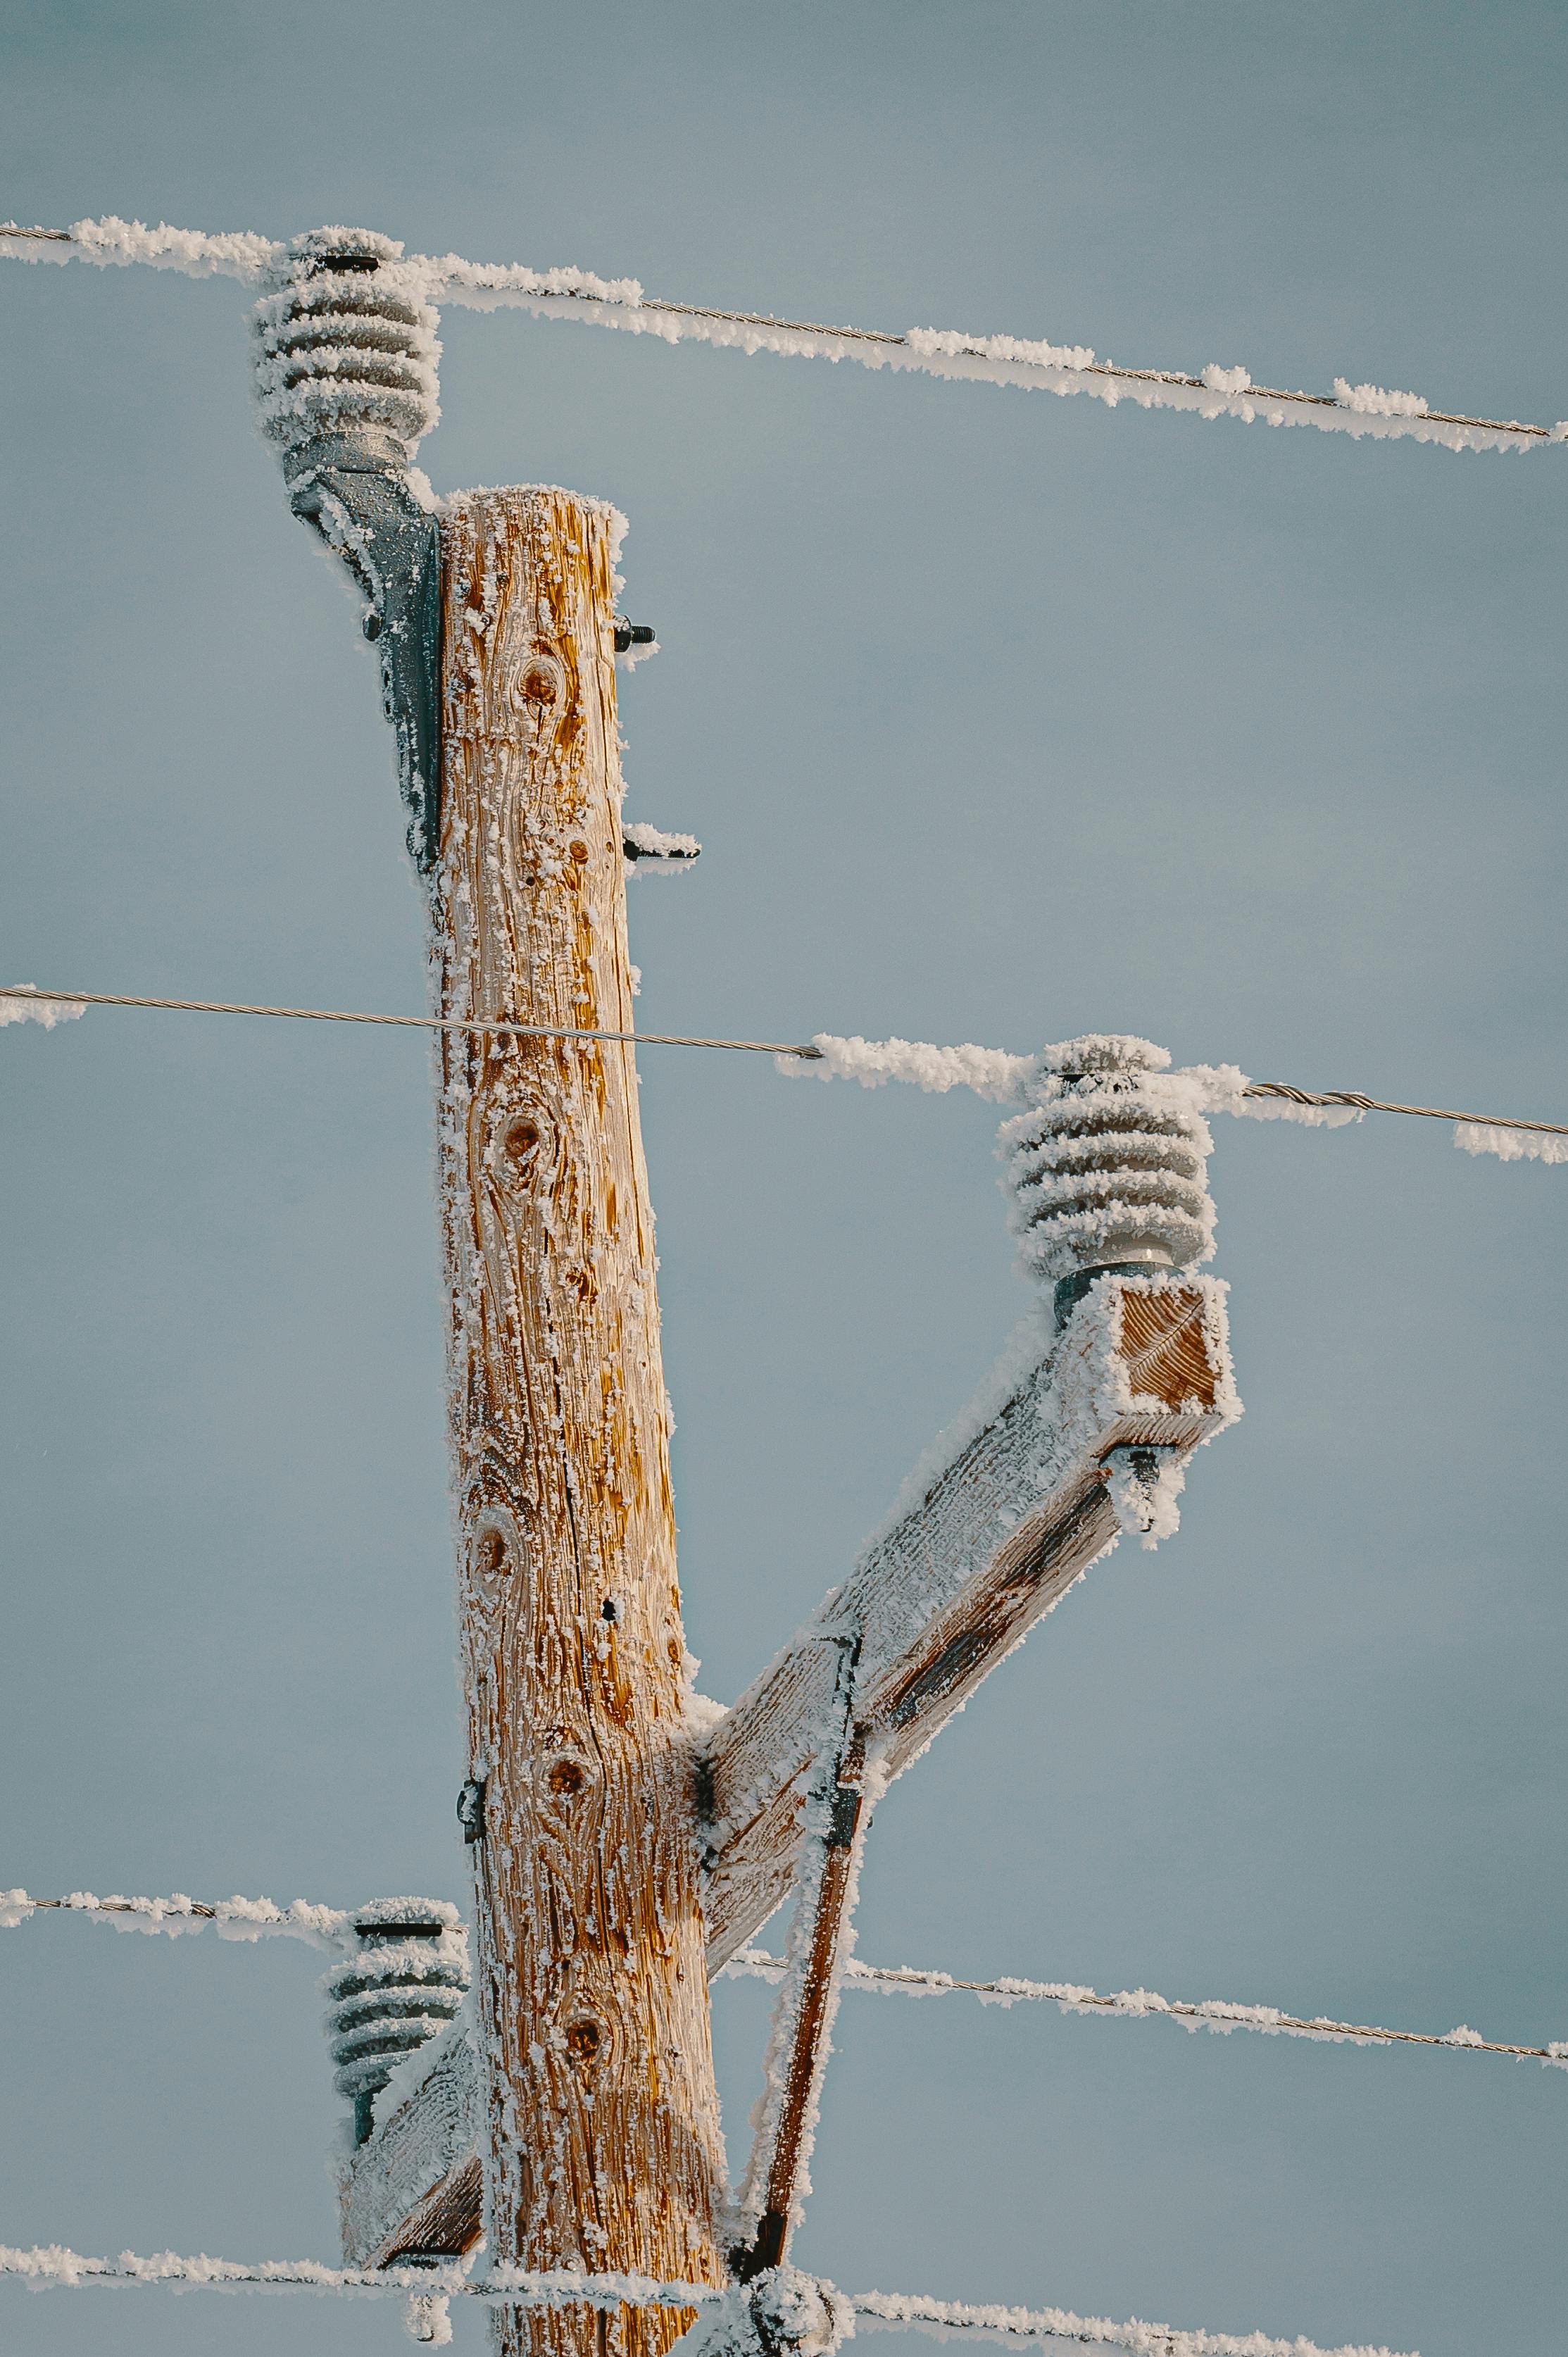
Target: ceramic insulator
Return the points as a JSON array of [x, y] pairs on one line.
[[403, 1984], [1108, 1169], [345, 345]]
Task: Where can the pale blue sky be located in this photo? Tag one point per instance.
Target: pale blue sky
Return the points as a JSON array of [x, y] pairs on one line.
[[1000, 718]]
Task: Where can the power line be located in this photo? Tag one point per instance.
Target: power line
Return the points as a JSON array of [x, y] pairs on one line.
[[331, 1927], [1359, 1104], [53, 2265], [178, 1916], [78, 998], [1214, 392], [1133, 2005], [1002, 1071]]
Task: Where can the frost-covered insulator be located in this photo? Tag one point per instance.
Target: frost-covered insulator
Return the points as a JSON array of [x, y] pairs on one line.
[[404, 1982], [346, 348], [1107, 1168], [345, 354]]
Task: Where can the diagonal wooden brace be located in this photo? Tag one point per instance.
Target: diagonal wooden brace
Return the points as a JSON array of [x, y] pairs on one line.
[[836, 1816], [1005, 1515]]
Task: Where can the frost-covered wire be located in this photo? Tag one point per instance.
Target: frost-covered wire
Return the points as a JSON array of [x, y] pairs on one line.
[[1006, 1078], [1029, 363], [250, 1920], [23, 1002], [1140, 2005], [33, 1002], [994, 1072], [949, 2318], [50, 2265], [177, 1916], [53, 2267]]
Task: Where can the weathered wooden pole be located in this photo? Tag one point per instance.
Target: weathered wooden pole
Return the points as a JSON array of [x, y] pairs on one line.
[[578, 2124], [593, 2106], [599, 2107]]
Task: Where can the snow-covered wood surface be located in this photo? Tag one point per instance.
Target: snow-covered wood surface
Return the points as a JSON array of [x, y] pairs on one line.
[[598, 2113], [416, 2184], [1001, 1518]]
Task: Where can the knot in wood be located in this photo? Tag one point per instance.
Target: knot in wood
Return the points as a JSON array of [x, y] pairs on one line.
[[495, 1554], [585, 2036], [538, 689], [566, 1778]]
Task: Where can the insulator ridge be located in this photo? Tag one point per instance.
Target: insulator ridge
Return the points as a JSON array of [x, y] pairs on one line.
[[1108, 1168]]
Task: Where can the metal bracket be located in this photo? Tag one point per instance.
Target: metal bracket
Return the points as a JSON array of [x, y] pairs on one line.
[[471, 1809], [362, 508]]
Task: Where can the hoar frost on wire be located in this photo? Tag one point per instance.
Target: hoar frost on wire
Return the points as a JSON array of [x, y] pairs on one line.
[[176, 1917], [1221, 2015], [990, 1072], [1006, 1078], [1509, 1145], [962, 2320], [36, 1007], [1026, 362], [1372, 401], [53, 2265]]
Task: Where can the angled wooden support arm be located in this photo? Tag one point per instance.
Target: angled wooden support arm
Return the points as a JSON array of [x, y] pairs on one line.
[[835, 1816], [416, 2187], [1031, 1486]]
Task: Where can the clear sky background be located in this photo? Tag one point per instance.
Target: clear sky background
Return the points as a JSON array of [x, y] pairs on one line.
[[999, 717]]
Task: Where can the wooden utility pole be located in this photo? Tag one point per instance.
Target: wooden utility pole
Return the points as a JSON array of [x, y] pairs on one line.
[[576, 2124], [597, 2100]]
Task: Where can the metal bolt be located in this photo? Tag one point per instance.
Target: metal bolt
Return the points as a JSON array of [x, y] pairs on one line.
[[471, 1809]]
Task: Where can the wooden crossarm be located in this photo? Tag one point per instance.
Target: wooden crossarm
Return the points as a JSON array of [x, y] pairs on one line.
[[1002, 1521], [416, 2185]]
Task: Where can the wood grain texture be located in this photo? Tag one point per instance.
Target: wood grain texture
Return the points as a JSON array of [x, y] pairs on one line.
[[599, 2117]]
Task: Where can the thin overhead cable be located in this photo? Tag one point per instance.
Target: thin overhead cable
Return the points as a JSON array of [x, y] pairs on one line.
[[52, 2266], [1358, 1103], [69, 1002], [992, 1072], [1134, 2004], [331, 1927], [178, 1917], [1213, 391]]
